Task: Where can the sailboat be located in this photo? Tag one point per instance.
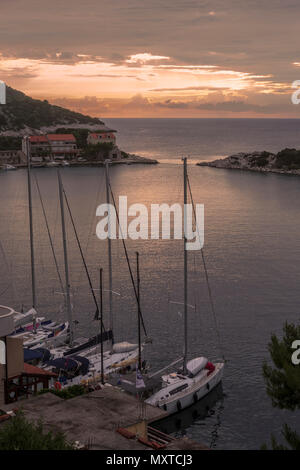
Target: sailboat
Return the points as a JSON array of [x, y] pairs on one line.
[[32, 329], [197, 376], [84, 363], [124, 347], [68, 345], [90, 368]]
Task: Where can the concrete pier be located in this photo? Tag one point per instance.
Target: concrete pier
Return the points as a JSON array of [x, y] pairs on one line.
[[106, 419]]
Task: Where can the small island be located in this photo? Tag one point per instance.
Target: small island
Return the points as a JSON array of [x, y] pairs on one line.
[[285, 162]]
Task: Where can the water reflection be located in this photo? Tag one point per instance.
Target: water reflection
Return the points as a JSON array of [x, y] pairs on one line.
[[211, 405]]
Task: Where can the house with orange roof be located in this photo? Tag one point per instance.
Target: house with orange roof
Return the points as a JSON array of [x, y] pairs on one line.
[[52, 147], [103, 135], [63, 146]]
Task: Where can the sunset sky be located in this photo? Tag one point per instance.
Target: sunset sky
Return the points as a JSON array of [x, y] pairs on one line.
[[154, 58]]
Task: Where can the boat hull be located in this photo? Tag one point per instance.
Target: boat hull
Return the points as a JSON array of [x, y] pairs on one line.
[[194, 392]]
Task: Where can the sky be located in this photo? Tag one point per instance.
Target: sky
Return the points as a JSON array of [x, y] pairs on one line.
[[154, 58]]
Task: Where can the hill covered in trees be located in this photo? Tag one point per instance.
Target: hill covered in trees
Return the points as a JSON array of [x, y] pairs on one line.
[[21, 114]]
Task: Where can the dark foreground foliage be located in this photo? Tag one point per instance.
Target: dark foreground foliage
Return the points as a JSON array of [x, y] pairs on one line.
[[283, 382], [20, 434]]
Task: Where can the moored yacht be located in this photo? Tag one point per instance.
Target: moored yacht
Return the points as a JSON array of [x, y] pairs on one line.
[[197, 377]]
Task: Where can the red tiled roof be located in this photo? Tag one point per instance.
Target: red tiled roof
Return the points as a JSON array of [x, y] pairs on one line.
[[55, 137], [33, 370], [38, 138]]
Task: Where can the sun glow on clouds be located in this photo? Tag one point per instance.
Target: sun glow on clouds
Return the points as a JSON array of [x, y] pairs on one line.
[[144, 58], [153, 79]]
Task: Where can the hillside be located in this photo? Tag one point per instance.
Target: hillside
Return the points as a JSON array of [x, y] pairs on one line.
[[22, 114]]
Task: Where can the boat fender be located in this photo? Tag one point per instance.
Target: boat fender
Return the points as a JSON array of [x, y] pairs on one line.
[[207, 386], [179, 406], [57, 386], [165, 407], [195, 397]]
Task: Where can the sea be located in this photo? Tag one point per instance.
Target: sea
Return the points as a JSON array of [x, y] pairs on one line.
[[251, 247]]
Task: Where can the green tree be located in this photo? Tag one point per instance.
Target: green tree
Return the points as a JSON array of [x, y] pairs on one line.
[[20, 434], [97, 152], [283, 381]]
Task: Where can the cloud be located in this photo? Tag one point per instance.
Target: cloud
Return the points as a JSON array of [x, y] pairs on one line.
[[167, 51], [145, 58]]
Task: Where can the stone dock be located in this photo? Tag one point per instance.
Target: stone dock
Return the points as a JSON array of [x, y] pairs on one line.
[[106, 419], [133, 160]]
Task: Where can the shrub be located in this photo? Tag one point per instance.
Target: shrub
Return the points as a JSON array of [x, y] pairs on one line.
[[288, 159], [66, 393], [20, 434]]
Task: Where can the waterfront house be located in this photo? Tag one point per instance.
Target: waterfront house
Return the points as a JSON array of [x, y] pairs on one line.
[[104, 135], [52, 147], [40, 148], [63, 146], [11, 157]]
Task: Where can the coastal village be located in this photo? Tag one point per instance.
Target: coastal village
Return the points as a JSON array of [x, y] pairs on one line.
[[59, 149]]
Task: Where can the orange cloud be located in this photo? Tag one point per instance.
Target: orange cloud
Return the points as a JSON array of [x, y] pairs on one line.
[[140, 84]]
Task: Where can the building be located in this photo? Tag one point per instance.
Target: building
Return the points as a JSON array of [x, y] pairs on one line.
[[11, 157], [39, 146], [52, 147], [17, 379], [63, 146], [104, 135]]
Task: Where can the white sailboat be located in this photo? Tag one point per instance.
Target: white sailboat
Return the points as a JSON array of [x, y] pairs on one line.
[[198, 376]]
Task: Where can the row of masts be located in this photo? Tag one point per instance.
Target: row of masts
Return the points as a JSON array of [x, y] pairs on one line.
[[110, 278], [67, 293]]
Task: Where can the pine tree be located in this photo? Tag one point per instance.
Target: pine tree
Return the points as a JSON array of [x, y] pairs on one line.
[[283, 381]]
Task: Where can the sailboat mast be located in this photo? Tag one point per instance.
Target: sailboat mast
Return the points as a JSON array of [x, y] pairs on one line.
[[33, 286], [185, 351], [110, 282], [139, 310], [101, 322], [64, 237]]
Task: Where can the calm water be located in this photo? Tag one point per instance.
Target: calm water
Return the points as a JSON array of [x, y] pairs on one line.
[[252, 245], [166, 139]]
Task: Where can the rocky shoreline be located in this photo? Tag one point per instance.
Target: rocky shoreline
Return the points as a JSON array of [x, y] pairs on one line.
[[285, 162]]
